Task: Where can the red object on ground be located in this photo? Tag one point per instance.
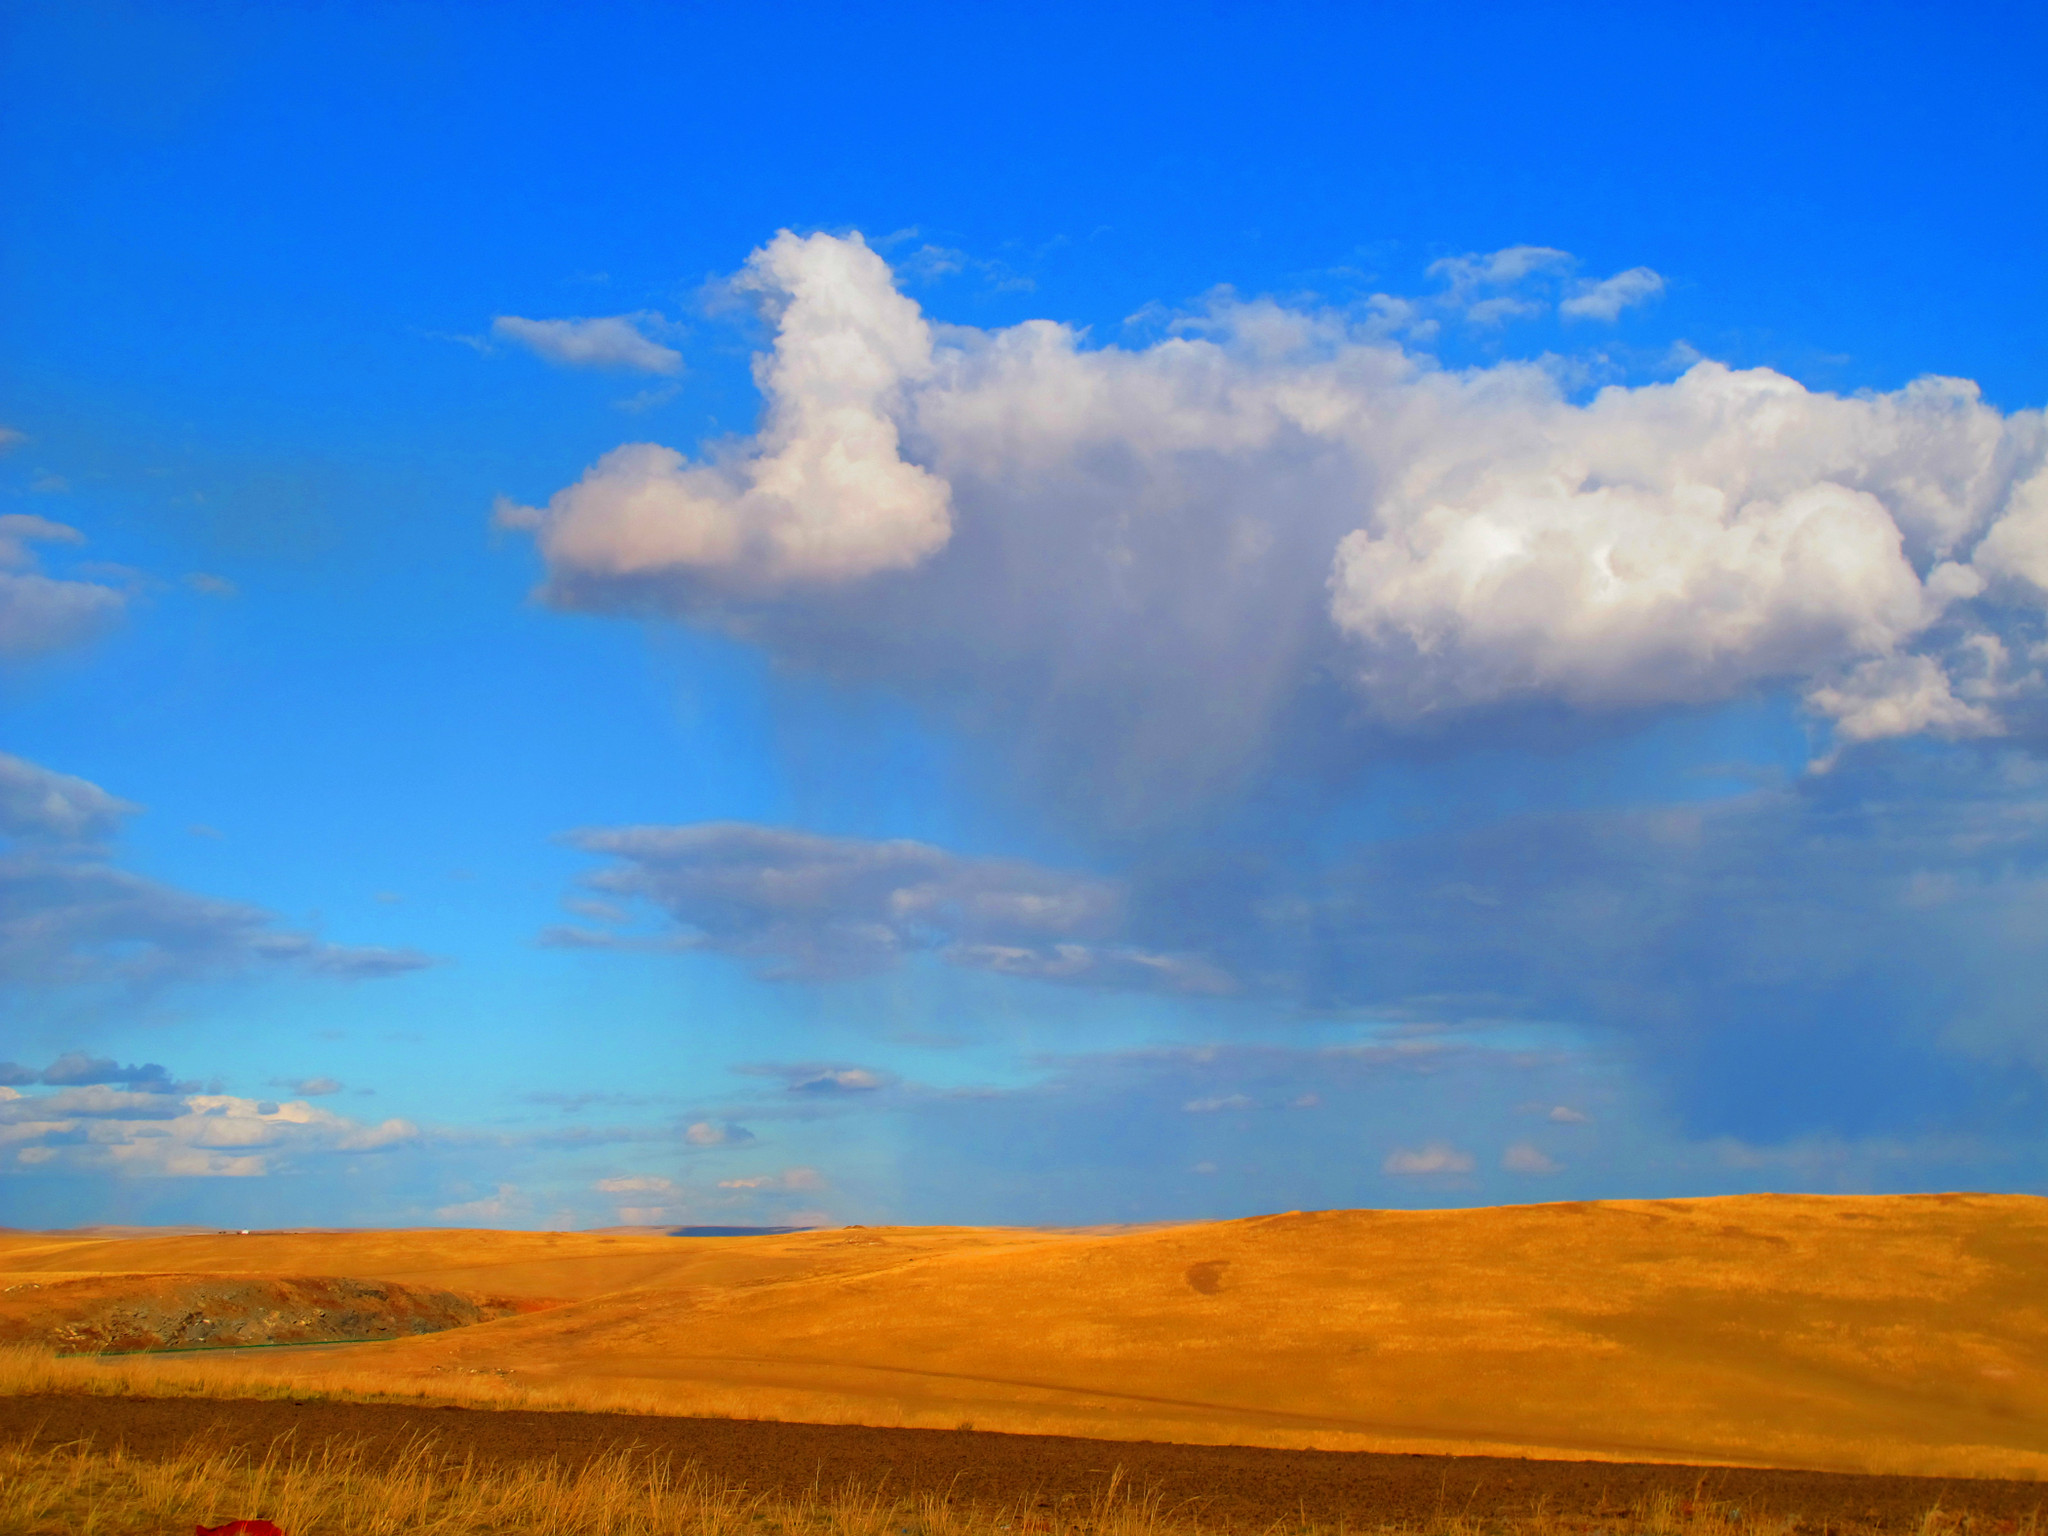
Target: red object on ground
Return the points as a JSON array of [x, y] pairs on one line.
[[238, 1528]]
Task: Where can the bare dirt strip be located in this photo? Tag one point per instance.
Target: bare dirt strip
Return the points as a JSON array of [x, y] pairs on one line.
[[1221, 1486]]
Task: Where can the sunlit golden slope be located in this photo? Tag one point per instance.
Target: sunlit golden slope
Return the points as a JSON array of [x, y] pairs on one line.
[[1897, 1333]]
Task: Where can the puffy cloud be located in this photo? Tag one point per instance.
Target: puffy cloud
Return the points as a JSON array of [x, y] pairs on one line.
[[1676, 543], [1900, 696], [41, 613], [1482, 286], [1435, 1159], [1685, 542], [823, 496], [811, 907], [1144, 567], [1606, 299], [609, 341], [108, 1130], [1490, 289], [2016, 548], [37, 802]]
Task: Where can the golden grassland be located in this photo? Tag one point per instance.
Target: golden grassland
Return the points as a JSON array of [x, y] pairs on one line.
[[78, 1491], [1895, 1334], [72, 1489]]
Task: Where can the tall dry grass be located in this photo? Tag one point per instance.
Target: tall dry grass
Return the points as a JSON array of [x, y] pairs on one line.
[[75, 1490], [78, 1490], [30, 1368], [271, 1374]]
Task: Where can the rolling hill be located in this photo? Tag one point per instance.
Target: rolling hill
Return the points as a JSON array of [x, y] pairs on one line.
[[1897, 1333]]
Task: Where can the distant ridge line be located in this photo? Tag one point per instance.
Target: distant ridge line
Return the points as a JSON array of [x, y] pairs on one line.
[[736, 1231]]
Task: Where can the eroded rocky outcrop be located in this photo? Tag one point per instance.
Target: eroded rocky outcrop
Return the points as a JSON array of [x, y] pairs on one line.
[[114, 1314]]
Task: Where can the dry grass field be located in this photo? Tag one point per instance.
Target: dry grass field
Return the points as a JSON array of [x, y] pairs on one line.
[[63, 1491], [1894, 1334], [336, 1491]]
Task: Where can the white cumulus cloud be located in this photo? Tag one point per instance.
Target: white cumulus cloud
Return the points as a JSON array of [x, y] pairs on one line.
[[824, 495], [106, 1129], [1144, 566]]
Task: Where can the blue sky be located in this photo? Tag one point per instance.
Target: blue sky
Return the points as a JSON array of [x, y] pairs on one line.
[[773, 613]]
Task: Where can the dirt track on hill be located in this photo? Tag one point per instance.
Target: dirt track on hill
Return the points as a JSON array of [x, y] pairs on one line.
[[1226, 1486]]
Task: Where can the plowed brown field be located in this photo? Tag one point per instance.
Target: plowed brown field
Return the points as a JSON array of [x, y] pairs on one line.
[[1233, 1487]]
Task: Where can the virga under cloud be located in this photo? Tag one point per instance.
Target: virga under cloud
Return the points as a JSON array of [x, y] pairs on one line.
[[1167, 577], [1137, 755]]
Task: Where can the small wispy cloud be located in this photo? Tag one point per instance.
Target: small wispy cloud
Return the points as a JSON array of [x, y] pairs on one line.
[[712, 1133], [308, 1087], [637, 1184], [505, 1203], [37, 802], [835, 1080], [1526, 1157], [1420, 1162], [787, 1179], [811, 907], [604, 341], [1606, 299]]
